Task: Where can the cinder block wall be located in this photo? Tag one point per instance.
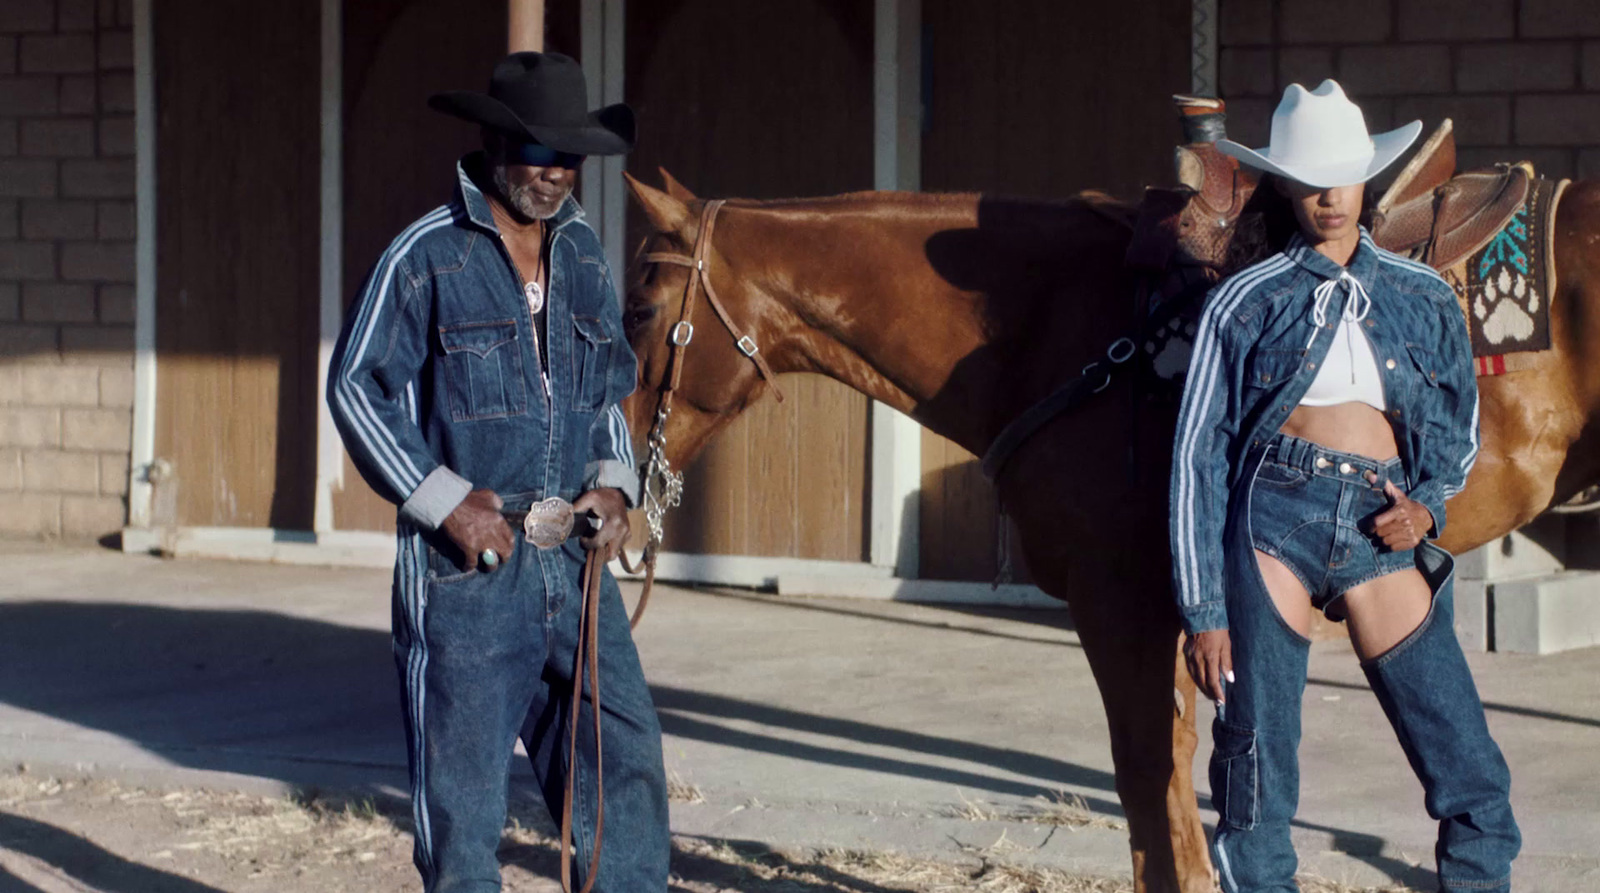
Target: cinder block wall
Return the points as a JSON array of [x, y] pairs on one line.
[[66, 265], [1521, 78]]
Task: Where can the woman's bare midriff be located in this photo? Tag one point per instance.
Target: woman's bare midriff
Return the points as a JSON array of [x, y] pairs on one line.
[[1346, 427]]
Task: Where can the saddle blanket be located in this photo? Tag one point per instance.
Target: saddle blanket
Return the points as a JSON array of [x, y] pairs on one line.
[[1504, 287]]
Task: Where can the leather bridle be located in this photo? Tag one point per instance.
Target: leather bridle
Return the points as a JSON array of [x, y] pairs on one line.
[[662, 488], [683, 332]]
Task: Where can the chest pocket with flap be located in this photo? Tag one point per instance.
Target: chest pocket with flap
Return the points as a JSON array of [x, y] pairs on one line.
[[483, 370]]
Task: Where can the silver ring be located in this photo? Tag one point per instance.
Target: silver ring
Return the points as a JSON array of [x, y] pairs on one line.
[[489, 558]]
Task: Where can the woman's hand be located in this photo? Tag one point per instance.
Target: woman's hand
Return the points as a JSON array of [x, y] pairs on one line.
[[1210, 659], [1403, 524]]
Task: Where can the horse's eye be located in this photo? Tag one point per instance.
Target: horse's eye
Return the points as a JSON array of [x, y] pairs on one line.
[[637, 317]]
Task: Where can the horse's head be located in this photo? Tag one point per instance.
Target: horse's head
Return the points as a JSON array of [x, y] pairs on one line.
[[715, 378]]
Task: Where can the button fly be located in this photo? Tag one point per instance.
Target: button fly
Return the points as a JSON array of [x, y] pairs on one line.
[[1322, 463], [1346, 468]]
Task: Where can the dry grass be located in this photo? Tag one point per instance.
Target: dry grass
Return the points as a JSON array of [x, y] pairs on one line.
[[854, 871], [288, 838], [1061, 809], [680, 791], [266, 836]]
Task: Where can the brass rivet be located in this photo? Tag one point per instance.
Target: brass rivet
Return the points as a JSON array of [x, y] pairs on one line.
[[1311, 365], [1323, 463], [1389, 364], [1346, 468]]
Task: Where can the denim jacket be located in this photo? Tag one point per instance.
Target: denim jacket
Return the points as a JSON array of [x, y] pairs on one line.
[[436, 383], [1255, 355]]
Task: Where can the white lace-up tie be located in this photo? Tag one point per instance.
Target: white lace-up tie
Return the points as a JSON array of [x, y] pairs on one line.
[[1356, 306]]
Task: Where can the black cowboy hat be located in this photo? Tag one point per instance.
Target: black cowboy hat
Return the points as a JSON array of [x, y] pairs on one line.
[[542, 97]]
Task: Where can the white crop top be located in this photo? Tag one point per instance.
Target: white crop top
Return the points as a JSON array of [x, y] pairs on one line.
[[1350, 372]]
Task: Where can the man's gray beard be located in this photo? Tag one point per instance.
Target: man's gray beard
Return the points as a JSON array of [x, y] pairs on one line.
[[524, 199]]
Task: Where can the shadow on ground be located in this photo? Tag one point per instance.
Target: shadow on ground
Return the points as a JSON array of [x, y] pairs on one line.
[[83, 861], [269, 695], [259, 693]]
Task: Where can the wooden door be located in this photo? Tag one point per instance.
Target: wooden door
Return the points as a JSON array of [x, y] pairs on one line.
[[400, 155], [763, 100], [1044, 99], [236, 266]]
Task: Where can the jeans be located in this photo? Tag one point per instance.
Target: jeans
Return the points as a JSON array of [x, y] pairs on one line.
[[486, 657], [1307, 505]]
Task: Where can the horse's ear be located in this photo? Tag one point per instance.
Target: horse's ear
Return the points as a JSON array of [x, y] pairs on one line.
[[675, 189], [666, 213]]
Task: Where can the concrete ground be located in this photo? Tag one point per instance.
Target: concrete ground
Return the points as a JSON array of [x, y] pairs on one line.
[[802, 722]]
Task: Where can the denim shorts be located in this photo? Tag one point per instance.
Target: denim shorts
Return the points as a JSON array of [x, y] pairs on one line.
[[1312, 509]]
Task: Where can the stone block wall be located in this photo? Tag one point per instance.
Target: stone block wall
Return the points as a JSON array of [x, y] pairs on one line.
[[1520, 78], [66, 265]]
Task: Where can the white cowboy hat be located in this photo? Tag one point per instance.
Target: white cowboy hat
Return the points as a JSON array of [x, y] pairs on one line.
[[1319, 137]]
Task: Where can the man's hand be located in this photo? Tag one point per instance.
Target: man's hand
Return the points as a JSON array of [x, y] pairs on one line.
[[1210, 659], [1402, 525], [611, 509], [476, 525]]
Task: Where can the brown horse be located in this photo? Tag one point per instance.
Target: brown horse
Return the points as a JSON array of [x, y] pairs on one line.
[[963, 311]]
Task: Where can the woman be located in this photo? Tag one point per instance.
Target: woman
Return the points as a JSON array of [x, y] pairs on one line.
[[1330, 411]]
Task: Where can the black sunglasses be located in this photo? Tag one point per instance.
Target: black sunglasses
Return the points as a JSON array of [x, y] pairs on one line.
[[540, 155]]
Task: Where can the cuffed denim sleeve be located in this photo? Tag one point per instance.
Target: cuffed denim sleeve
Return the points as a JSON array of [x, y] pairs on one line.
[[435, 498], [1450, 430], [1207, 425], [611, 462], [372, 387]]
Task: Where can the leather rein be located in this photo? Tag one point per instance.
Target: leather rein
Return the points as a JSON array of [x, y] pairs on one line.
[[661, 489]]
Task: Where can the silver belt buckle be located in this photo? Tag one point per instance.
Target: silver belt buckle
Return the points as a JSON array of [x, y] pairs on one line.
[[549, 523]]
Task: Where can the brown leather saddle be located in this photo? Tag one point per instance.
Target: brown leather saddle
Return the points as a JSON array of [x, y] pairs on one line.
[[1193, 223], [1427, 213], [1457, 217]]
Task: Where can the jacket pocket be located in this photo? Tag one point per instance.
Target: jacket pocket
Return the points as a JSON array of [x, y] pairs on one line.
[[1271, 368], [1235, 777], [1426, 362], [483, 370], [591, 361]]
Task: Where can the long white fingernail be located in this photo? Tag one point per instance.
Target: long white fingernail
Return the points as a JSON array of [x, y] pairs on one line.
[[1229, 675]]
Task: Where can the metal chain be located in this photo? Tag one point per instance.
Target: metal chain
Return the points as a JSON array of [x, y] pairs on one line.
[[663, 487]]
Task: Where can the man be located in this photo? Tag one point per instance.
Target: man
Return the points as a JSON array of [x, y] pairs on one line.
[[476, 385]]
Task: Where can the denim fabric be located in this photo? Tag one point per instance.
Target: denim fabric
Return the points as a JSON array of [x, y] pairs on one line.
[[437, 387], [1423, 683], [1311, 508], [437, 371], [485, 658], [1256, 353]]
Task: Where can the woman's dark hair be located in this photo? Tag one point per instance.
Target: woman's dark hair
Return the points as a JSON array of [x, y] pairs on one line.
[[1267, 222]]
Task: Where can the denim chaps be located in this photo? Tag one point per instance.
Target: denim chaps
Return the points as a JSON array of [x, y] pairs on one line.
[[1307, 506]]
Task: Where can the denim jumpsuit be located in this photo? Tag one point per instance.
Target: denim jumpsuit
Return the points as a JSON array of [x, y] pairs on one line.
[[1238, 486], [438, 387]]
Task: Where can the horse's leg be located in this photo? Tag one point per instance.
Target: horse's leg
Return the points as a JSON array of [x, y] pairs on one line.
[[1149, 704]]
